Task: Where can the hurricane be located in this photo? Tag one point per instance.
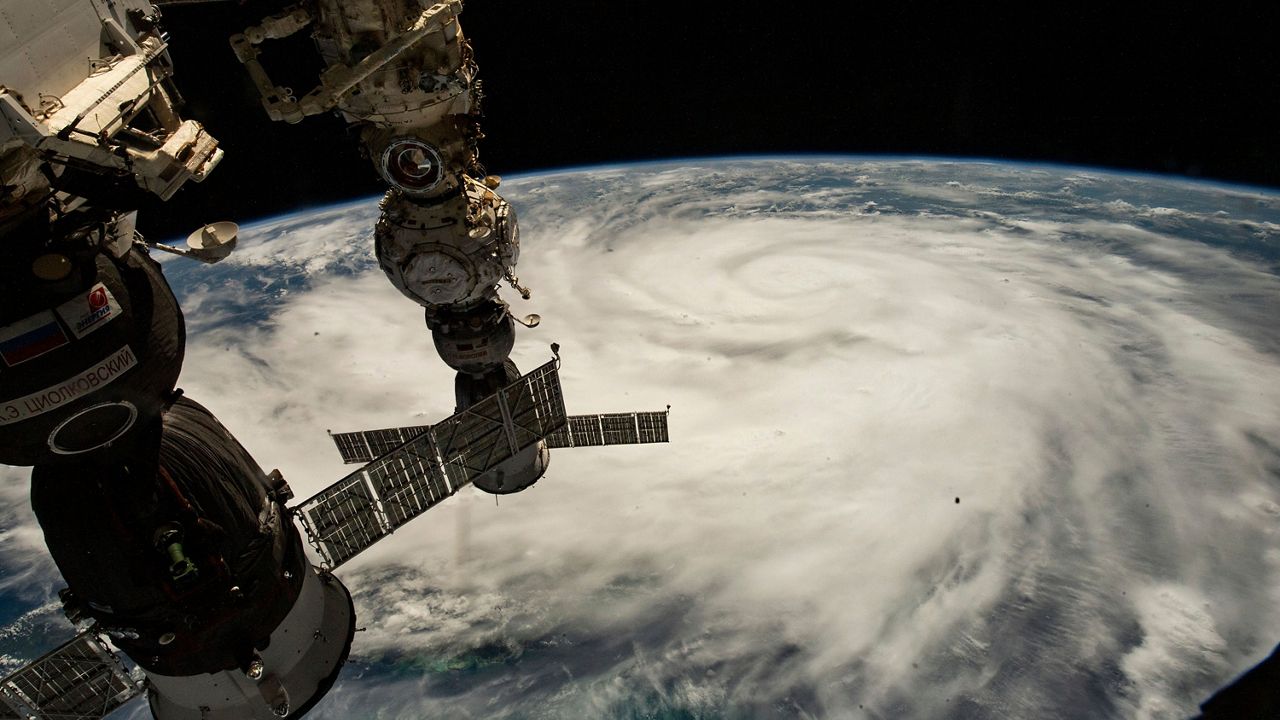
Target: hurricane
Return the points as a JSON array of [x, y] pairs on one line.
[[948, 440]]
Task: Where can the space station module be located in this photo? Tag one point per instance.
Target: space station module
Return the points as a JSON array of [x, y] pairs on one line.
[[173, 542]]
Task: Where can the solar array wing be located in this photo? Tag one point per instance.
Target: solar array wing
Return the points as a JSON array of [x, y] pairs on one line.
[[81, 680], [477, 439], [343, 519], [611, 429], [365, 445], [635, 428], [399, 485]]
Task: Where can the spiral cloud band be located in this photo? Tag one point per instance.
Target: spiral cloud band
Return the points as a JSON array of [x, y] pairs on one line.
[[948, 440]]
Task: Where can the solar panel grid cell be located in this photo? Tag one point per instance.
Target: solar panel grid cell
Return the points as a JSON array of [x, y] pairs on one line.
[[381, 442], [653, 427], [475, 437], [366, 445], [437, 481], [537, 406], [586, 431], [352, 446], [619, 429], [400, 501], [410, 482], [344, 519]]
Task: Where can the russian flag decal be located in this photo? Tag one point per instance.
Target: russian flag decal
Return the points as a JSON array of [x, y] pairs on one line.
[[30, 338]]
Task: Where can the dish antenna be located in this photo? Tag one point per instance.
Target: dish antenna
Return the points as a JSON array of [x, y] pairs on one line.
[[209, 244]]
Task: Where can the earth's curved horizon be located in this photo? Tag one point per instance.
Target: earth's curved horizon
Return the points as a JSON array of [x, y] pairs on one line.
[[950, 439], [1203, 183]]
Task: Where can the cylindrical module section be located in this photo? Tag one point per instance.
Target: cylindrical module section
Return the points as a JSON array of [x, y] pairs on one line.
[[527, 466], [188, 559], [297, 667], [475, 341], [90, 348], [517, 473]]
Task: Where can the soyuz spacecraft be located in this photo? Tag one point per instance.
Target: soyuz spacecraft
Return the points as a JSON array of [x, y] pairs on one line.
[[176, 547]]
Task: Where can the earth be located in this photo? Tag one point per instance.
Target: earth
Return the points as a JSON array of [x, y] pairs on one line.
[[949, 440]]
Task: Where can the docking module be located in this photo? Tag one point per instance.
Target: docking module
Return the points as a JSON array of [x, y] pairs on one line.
[[177, 549]]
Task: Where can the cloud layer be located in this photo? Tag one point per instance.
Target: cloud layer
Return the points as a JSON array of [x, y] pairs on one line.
[[949, 440]]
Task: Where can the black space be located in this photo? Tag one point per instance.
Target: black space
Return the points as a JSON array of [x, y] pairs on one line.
[[1169, 87]]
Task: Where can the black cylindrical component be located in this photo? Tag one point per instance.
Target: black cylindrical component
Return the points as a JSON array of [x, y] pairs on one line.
[[470, 389], [179, 555], [475, 341], [90, 359]]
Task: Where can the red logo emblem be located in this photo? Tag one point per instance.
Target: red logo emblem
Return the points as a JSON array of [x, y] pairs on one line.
[[98, 298]]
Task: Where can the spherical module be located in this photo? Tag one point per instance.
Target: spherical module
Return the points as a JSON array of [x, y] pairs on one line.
[[434, 258], [439, 277]]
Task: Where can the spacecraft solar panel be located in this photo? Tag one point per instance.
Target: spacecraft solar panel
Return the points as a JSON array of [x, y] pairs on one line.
[[479, 438], [652, 427], [536, 405], [428, 465], [611, 429], [408, 481], [619, 429], [344, 519], [365, 445], [580, 431], [471, 441], [81, 680]]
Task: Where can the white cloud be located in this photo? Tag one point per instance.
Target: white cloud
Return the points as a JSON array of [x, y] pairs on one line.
[[838, 380]]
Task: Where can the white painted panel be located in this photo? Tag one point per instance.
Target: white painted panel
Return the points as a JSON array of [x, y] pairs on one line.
[[46, 45]]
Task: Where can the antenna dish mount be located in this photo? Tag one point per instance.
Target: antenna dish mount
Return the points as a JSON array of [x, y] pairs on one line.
[[209, 244], [213, 242]]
